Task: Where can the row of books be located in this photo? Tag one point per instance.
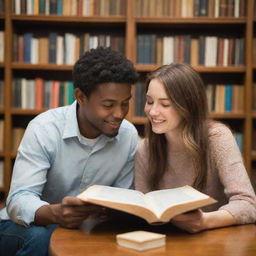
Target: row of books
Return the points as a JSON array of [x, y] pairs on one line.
[[1, 46], [70, 7], [202, 50], [41, 94], [1, 93], [60, 48], [191, 8], [225, 98]]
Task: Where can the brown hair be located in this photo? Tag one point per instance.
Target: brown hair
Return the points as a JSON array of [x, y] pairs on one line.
[[186, 91]]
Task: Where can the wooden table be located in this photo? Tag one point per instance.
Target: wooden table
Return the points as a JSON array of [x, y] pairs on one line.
[[230, 241]]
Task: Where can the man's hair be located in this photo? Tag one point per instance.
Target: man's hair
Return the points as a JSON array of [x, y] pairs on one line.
[[102, 65]]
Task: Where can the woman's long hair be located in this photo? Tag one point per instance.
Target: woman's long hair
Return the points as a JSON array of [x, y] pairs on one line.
[[186, 91]]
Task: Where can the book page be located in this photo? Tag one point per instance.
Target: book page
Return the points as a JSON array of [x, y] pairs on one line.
[[113, 194], [160, 200]]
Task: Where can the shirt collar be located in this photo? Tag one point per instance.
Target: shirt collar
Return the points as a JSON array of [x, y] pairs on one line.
[[71, 124], [71, 128]]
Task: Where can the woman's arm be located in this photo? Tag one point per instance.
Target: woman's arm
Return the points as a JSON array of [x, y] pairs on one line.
[[198, 220]]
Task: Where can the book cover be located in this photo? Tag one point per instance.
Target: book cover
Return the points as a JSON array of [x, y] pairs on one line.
[[39, 95], [141, 240], [52, 47], [1, 94], [228, 97], [1, 173], [27, 47], [1, 135]]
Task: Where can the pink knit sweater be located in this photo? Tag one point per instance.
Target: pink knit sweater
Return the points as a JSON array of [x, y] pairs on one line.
[[227, 179]]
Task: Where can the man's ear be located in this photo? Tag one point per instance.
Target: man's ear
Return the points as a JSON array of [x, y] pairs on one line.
[[80, 96]]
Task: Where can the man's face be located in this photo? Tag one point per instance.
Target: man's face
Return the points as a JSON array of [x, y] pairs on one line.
[[104, 110]]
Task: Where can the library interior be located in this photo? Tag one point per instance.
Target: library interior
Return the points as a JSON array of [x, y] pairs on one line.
[[41, 39]]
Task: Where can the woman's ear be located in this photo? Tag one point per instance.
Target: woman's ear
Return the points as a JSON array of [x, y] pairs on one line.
[[80, 96]]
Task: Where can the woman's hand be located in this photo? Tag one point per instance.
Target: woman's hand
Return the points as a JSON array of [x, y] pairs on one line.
[[196, 221], [192, 222]]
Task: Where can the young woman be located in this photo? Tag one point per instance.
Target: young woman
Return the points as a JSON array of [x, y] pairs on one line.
[[184, 147]]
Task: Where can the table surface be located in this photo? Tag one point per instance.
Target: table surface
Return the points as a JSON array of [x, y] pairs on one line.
[[101, 240]]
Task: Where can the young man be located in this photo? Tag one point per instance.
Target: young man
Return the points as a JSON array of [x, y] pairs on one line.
[[68, 149]]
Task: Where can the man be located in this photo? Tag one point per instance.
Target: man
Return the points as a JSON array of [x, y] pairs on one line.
[[67, 149]]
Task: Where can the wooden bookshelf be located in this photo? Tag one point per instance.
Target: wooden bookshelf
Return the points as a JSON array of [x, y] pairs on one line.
[[129, 25]]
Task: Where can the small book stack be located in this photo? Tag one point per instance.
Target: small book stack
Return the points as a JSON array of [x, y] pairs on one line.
[[141, 240]]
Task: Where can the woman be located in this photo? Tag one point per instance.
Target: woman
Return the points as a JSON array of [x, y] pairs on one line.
[[184, 147]]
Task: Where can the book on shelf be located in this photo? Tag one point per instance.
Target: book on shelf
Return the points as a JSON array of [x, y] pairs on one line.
[[1, 46], [140, 99], [254, 97], [1, 135], [239, 140], [17, 134], [1, 173], [2, 7], [155, 207], [1, 93], [141, 240], [254, 140]]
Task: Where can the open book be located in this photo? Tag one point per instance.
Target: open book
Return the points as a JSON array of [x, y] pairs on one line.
[[155, 206]]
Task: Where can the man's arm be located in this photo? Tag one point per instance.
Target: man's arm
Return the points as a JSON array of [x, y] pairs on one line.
[[70, 213]]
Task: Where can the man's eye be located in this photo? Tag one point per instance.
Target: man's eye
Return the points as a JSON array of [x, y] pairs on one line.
[[149, 102], [108, 106], [126, 103]]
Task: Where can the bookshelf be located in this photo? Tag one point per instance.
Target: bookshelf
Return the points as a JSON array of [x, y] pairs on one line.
[[125, 20]]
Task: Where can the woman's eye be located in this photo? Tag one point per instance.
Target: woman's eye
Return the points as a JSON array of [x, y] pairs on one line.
[[149, 102]]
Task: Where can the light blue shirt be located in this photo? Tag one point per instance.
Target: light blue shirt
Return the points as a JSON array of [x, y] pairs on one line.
[[55, 161]]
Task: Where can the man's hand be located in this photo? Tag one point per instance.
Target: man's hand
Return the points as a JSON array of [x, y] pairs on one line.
[[69, 214]]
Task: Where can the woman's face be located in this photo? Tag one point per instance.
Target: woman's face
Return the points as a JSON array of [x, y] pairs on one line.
[[159, 109]]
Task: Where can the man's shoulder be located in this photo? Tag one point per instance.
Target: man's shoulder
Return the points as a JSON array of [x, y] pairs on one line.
[[54, 115], [127, 127]]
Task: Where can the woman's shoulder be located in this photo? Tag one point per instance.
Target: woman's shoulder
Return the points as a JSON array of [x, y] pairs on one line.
[[218, 129], [221, 138]]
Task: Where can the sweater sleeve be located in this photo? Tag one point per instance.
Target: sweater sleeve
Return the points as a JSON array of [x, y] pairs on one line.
[[141, 168], [237, 186]]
